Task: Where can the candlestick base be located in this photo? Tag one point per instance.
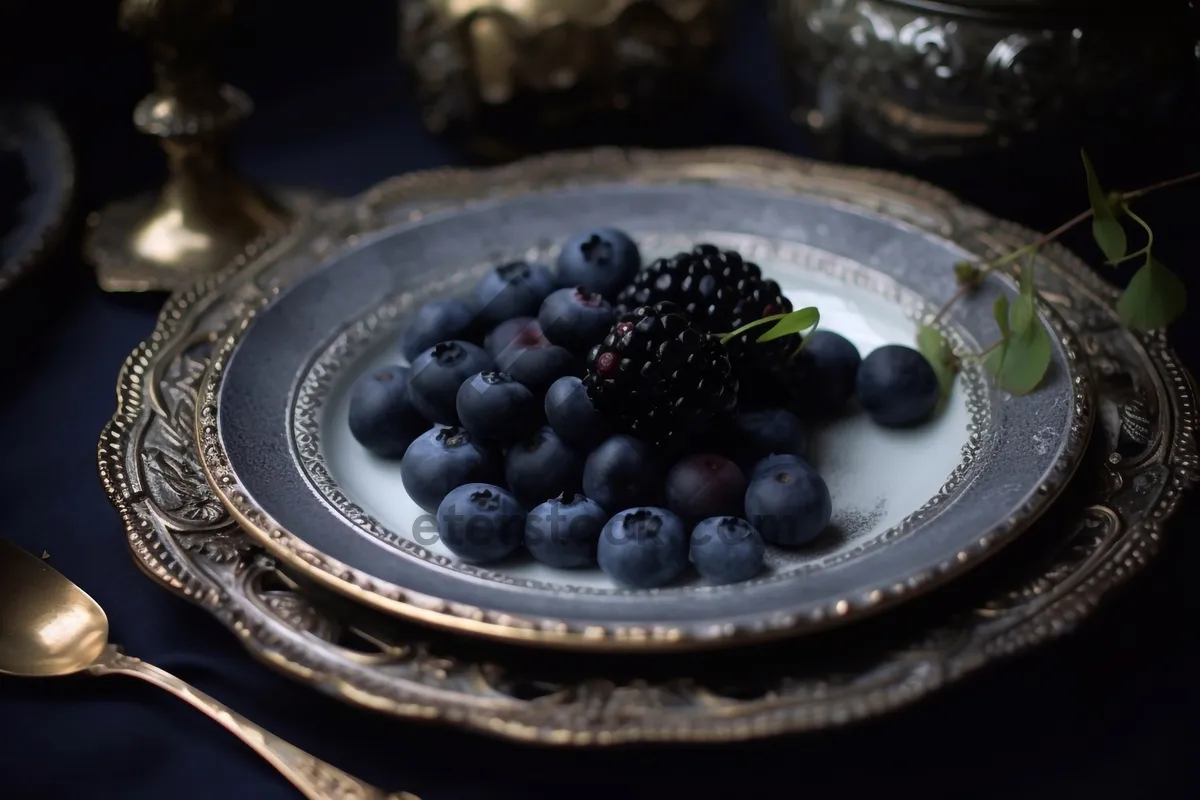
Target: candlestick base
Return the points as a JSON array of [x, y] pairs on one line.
[[161, 243]]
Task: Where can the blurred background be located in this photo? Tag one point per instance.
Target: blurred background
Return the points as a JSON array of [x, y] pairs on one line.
[[318, 71], [991, 99]]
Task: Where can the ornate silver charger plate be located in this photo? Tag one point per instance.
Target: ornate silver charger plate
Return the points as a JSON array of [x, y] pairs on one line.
[[1141, 460], [914, 508]]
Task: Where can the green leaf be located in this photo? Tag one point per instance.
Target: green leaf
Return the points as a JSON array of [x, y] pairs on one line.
[[939, 354], [1022, 315], [1106, 228], [1027, 284], [1026, 360], [1020, 359], [795, 322], [993, 360], [1154, 298], [1000, 312]]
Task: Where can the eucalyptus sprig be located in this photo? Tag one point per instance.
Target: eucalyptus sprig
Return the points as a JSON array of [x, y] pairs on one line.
[[1020, 357]]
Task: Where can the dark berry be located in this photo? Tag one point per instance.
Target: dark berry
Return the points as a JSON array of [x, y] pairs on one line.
[[538, 367], [778, 461], [439, 372], [726, 550], [643, 548], [440, 460], [703, 486], [382, 416], [480, 523], [564, 533], [830, 365], [789, 506], [897, 387], [512, 290], [444, 320], [623, 472], [660, 379], [495, 408], [754, 435], [601, 261], [569, 411], [719, 291], [517, 332], [576, 319], [541, 467]]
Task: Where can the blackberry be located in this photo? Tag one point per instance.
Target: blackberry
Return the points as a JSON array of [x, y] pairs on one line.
[[657, 377], [719, 291]]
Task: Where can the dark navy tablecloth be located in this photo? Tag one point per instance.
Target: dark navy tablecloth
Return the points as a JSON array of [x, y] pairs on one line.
[[1112, 710]]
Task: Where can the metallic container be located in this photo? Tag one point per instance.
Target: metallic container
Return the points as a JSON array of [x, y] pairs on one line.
[[944, 78], [502, 75]]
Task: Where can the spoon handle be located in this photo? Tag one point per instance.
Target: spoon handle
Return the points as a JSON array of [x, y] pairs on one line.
[[312, 776]]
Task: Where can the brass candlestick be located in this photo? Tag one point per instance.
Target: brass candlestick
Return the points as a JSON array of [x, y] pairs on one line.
[[205, 213]]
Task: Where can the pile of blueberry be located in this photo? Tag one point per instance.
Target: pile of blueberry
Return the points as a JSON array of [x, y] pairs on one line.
[[548, 415]]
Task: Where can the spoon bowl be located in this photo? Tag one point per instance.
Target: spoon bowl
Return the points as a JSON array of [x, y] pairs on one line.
[[48, 625]]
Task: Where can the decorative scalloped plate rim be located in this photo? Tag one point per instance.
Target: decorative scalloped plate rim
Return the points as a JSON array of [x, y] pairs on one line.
[[212, 564]]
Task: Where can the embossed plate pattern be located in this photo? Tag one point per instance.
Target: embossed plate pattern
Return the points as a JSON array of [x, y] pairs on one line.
[[1142, 461], [1012, 456]]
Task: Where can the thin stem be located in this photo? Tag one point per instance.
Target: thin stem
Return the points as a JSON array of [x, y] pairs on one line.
[[989, 349], [1083, 216], [962, 292], [1154, 187], [1145, 226], [1046, 239], [1129, 257]]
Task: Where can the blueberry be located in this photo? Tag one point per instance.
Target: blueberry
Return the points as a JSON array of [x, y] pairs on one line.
[[541, 467], [437, 375], [703, 486], [789, 506], [576, 319], [382, 417], [442, 459], [538, 367], [831, 364], [779, 461], [571, 414], [643, 548], [897, 387], [495, 408], [603, 261], [753, 435], [727, 550], [623, 472], [519, 331], [564, 533], [512, 290], [437, 321], [480, 523]]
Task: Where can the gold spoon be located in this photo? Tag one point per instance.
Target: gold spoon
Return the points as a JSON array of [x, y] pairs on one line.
[[50, 627]]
